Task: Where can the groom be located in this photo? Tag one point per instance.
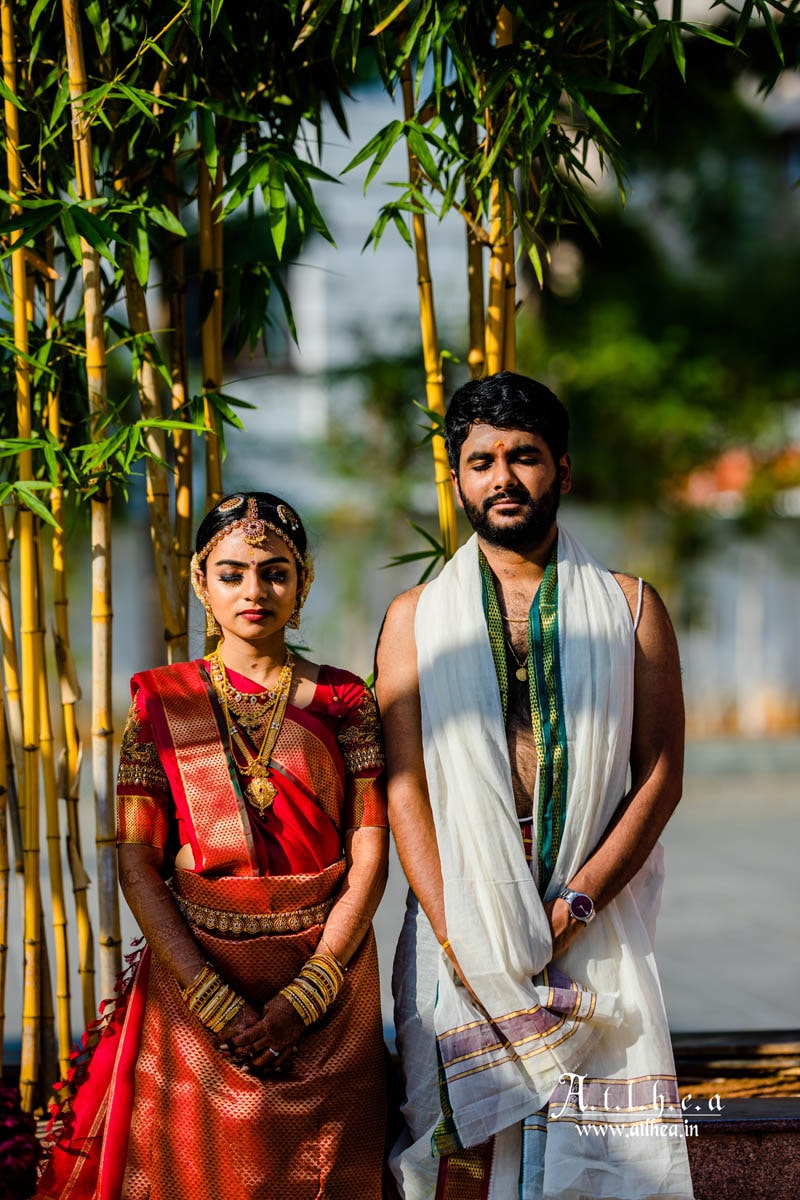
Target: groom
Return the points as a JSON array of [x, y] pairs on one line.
[[517, 690]]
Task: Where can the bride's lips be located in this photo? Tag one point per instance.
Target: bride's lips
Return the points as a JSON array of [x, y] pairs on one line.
[[254, 614]]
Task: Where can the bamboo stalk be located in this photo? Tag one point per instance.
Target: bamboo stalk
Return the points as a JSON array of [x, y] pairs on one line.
[[476, 356], [500, 311], [210, 247], [102, 720], [158, 498], [5, 874], [48, 1062], [434, 383], [11, 677], [179, 372], [509, 294], [69, 768], [53, 839], [28, 605]]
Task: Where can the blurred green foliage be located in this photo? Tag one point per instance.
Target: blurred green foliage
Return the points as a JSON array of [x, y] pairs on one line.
[[672, 336]]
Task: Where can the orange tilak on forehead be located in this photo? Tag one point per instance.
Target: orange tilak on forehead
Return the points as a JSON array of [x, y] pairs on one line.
[[499, 445]]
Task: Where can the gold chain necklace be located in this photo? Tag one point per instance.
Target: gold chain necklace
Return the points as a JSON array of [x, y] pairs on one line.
[[260, 790], [522, 663]]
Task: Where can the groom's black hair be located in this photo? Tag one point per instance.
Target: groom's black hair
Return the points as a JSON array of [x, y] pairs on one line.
[[507, 401]]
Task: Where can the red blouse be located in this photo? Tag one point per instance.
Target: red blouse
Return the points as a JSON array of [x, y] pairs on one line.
[[327, 765]]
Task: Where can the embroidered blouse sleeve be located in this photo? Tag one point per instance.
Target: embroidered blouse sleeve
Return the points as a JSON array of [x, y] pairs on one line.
[[361, 743], [143, 799]]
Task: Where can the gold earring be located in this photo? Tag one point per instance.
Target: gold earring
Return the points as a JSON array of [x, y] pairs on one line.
[[213, 628], [294, 619]]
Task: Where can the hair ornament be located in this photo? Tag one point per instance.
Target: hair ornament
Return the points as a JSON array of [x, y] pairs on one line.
[[287, 517], [233, 502], [253, 528]]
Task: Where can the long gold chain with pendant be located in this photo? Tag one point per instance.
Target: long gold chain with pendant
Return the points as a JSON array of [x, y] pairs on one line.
[[260, 790]]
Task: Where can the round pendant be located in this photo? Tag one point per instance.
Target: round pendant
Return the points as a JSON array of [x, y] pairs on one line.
[[261, 791], [521, 674]]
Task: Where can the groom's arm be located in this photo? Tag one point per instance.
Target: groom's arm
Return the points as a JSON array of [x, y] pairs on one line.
[[656, 764], [410, 816]]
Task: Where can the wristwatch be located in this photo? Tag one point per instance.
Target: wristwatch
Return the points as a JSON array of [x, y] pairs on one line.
[[581, 906]]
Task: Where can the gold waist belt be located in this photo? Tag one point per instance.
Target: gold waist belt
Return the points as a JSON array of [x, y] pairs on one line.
[[251, 923]]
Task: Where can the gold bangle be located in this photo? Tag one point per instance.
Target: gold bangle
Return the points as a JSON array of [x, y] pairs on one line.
[[301, 1003], [204, 978], [208, 1011], [234, 1006], [445, 944]]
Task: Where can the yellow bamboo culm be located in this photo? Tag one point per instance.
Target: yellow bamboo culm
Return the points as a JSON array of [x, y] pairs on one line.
[[179, 373], [70, 759], [509, 293], [13, 692], [58, 913], [434, 383], [31, 995], [476, 238], [210, 248], [5, 873], [500, 311], [476, 356], [102, 721], [158, 498]]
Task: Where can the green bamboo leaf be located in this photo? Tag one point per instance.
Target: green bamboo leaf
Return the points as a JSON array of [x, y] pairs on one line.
[[162, 216], [196, 15], [150, 44], [379, 146], [170, 425], [30, 225], [655, 44], [416, 140], [139, 99], [743, 24], [132, 446], [436, 418], [253, 173], [140, 253], [37, 11], [99, 23], [277, 206], [386, 22], [402, 228], [208, 138], [71, 235], [709, 35], [61, 100], [95, 231], [678, 50], [535, 260], [25, 493], [500, 140], [305, 199], [7, 94], [766, 17], [286, 302], [51, 464]]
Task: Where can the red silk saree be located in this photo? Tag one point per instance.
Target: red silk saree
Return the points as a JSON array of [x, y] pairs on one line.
[[160, 1113]]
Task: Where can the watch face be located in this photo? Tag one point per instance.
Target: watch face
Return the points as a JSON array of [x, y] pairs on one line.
[[581, 906]]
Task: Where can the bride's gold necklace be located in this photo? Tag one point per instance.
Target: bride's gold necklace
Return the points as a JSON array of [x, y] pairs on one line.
[[260, 790]]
